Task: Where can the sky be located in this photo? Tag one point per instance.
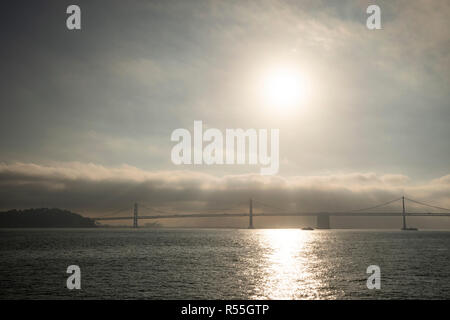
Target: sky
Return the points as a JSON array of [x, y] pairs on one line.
[[86, 116]]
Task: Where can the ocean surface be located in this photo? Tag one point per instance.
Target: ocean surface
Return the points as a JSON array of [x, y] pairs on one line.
[[223, 264]]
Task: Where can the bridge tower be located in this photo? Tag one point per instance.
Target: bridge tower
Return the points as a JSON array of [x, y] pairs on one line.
[[135, 215], [403, 215], [250, 215]]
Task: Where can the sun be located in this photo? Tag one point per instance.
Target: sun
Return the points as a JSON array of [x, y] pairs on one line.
[[284, 88]]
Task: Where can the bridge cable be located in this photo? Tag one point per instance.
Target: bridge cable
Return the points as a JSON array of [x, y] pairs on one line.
[[155, 210], [269, 206], [377, 206], [108, 214], [427, 205], [202, 210], [198, 211], [363, 209], [236, 207]]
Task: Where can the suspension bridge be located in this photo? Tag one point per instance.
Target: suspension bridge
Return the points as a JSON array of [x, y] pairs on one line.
[[322, 218]]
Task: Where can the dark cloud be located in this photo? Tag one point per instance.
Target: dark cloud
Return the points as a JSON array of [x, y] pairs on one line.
[[98, 191]]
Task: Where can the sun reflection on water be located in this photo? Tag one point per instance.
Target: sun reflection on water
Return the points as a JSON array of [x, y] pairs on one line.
[[289, 268]]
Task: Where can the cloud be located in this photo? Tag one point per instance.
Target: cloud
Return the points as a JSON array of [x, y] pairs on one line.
[[137, 72], [98, 190], [445, 180]]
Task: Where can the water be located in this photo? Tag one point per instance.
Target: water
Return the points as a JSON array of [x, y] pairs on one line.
[[224, 264]]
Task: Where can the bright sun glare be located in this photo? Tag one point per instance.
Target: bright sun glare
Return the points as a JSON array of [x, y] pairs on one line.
[[284, 88]]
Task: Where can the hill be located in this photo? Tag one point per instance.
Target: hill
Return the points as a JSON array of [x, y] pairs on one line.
[[44, 218]]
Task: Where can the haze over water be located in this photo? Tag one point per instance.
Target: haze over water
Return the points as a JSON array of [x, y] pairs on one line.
[[224, 263]]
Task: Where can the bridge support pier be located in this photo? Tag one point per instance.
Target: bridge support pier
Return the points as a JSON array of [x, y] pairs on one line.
[[250, 215], [403, 214], [323, 221], [135, 216]]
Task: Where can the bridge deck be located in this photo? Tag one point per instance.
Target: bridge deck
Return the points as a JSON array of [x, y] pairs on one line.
[[281, 214]]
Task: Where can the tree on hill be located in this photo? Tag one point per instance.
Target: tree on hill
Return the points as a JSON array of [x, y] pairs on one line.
[[44, 218]]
